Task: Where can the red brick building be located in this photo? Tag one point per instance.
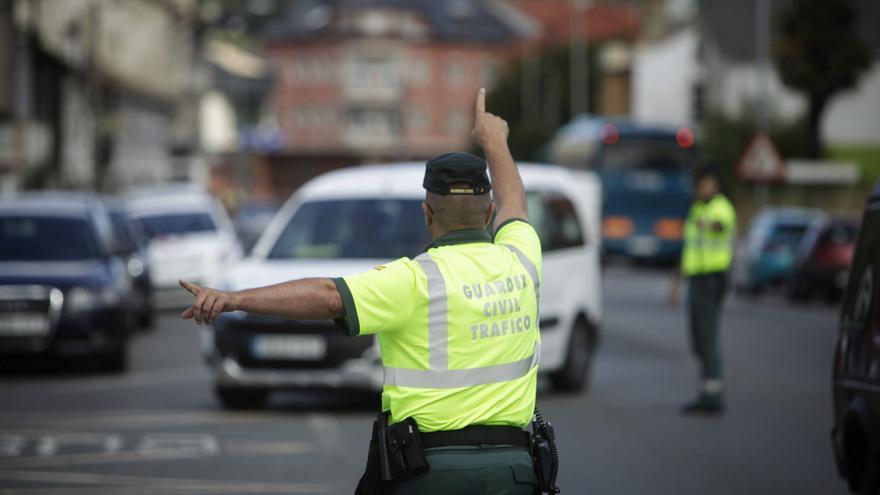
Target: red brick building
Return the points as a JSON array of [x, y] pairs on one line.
[[385, 79]]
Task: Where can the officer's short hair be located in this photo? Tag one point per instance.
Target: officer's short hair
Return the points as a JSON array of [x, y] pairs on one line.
[[459, 211], [707, 172]]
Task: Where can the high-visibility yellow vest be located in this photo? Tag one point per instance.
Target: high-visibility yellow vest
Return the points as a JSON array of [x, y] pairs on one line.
[[457, 327], [708, 249]]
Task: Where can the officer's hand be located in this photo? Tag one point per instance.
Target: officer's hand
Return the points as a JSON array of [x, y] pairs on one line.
[[488, 129], [209, 303]]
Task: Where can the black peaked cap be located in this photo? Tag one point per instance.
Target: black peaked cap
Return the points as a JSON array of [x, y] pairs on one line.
[[456, 173]]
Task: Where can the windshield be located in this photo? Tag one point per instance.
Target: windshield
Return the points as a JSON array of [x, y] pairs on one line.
[[788, 236], [356, 228], [663, 155], [177, 223], [36, 239]]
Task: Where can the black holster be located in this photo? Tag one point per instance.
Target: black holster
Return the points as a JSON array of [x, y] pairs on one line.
[[545, 456], [396, 453]]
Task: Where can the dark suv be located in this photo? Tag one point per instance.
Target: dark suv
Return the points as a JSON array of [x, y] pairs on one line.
[[64, 286], [856, 433]]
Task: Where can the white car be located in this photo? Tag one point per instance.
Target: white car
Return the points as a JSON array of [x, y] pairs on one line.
[[191, 237], [351, 220]]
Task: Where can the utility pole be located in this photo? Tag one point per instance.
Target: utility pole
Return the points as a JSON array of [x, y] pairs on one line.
[[22, 85], [578, 64], [762, 62]]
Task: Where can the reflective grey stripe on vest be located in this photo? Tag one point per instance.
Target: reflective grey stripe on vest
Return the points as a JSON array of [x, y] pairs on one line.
[[438, 324], [469, 377], [531, 268], [438, 374]]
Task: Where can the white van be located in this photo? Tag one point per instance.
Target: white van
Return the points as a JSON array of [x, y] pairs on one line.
[[190, 237], [351, 220]]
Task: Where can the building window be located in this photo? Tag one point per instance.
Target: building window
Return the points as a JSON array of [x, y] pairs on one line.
[[455, 72], [372, 121], [489, 72], [419, 71], [417, 118], [313, 118], [374, 72], [456, 121], [315, 70]]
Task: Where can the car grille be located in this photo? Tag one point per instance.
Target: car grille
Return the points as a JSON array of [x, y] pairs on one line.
[[28, 311], [235, 339]]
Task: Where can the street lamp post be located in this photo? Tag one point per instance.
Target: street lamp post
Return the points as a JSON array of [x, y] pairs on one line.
[[579, 90]]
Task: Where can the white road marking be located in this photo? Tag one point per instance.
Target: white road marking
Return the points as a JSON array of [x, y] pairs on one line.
[[49, 445], [267, 448], [135, 419], [160, 485], [134, 379]]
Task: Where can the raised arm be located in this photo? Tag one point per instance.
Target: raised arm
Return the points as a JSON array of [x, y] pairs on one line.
[[490, 132], [306, 299]]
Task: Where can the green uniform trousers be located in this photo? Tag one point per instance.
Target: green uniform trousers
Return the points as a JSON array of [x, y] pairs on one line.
[[705, 295], [473, 470]]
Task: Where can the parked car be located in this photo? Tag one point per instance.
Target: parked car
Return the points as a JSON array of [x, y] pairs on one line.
[[133, 243], [251, 220], [64, 286], [766, 257], [351, 220], [823, 258], [190, 236], [856, 379]]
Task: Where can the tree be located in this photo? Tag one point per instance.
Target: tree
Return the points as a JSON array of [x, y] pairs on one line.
[[818, 51], [532, 95]]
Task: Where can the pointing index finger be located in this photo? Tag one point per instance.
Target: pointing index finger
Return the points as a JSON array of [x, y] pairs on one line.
[[481, 101], [192, 288]]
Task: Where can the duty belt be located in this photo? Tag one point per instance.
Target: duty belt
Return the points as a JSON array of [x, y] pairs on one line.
[[477, 435]]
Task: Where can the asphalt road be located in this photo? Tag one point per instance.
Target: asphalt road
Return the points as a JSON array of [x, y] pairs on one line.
[[157, 429]]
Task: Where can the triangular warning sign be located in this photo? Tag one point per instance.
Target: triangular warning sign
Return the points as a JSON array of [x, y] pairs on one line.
[[761, 161]]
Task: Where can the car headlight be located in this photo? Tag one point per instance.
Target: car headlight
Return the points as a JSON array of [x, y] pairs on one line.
[[135, 267], [84, 299]]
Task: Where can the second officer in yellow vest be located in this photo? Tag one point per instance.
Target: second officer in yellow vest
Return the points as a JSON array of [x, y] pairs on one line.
[[709, 236], [457, 327]]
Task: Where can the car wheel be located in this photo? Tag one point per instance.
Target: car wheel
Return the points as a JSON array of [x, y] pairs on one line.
[[241, 398], [800, 291], [575, 373], [115, 361], [147, 318]]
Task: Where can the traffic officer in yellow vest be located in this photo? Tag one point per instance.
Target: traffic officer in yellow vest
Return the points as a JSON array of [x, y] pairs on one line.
[[709, 235], [457, 327]]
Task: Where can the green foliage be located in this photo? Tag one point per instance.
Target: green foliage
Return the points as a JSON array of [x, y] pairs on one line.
[[818, 51], [866, 157], [724, 139], [534, 99]]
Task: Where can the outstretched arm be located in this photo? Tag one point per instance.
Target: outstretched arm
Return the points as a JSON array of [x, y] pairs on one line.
[[306, 299], [490, 132]]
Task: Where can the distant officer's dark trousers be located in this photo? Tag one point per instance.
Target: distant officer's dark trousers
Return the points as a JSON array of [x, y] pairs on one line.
[[473, 470], [705, 296]]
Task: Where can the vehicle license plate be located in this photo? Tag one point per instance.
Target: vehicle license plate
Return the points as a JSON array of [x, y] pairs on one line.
[[643, 245], [23, 324], [303, 347]]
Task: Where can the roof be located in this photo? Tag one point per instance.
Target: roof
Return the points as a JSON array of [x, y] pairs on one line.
[[476, 21], [153, 201], [55, 203], [788, 214], [404, 180], [598, 21], [732, 25]]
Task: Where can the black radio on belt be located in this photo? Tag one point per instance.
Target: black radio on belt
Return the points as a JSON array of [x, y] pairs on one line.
[[401, 453]]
